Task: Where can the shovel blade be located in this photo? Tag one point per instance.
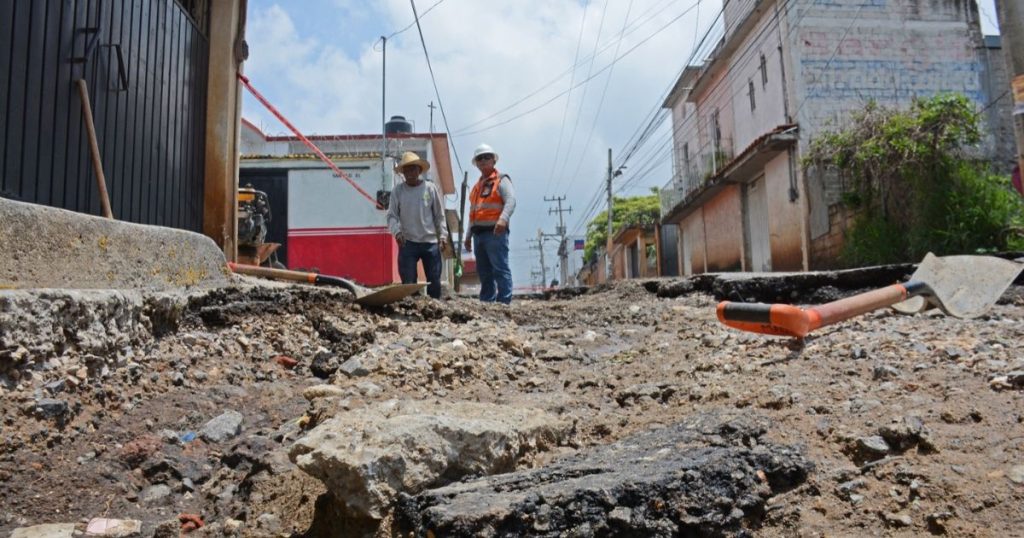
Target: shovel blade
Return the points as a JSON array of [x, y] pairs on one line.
[[962, 286], [387, 295]]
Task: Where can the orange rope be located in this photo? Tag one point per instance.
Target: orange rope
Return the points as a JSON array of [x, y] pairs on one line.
[[259, 97]]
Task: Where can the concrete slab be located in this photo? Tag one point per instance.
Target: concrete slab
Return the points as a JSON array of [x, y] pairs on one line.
[[45, 247]]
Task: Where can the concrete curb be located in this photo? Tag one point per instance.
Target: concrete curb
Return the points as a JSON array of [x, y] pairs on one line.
[[45, 247]]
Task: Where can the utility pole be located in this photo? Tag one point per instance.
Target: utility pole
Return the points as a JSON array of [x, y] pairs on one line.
[[608, 244], [534, 275], [540, 247], [1011, 26], [383, 122], [431, 107], [563, 251], [611, 201]]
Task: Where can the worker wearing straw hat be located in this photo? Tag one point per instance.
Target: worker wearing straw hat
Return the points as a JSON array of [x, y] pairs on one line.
[[416, 220]]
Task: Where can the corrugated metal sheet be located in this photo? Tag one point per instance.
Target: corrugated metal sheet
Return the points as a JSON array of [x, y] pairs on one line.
[[145, 65]]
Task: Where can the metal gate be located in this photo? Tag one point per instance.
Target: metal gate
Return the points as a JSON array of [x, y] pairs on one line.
[[145, 64]]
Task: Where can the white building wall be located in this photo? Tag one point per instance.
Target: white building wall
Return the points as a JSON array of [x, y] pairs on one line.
[[318, 198]]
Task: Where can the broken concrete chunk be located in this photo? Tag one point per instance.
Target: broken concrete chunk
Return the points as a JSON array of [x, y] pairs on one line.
[[904, 434], [354, 368], [222, 428], [870, 448], [697, 478], [114, 528], [322, 391], [51, 408], [366, 457]]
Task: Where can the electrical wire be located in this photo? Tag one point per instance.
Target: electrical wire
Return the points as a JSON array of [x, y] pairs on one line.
[[462, 132], [583, 99], [410, 25], [433, 80], [600, 104], [637, 26], [568, 100], [654, 118]]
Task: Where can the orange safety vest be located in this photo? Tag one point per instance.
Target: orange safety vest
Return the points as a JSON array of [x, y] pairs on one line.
[[485, 202]]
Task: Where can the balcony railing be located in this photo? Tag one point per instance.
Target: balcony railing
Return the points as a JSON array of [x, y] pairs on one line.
[[691, 177]]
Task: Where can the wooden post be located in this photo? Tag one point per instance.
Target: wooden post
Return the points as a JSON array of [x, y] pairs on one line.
[[94, 148], [1011, 24], [223, 124]]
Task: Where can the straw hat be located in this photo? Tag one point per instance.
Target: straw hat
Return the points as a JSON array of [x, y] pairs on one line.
[[411, 158]]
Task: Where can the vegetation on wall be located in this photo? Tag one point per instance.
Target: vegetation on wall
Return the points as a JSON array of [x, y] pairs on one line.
[[912, 180], [628, 212]]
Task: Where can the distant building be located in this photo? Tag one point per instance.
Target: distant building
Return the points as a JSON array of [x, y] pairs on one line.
[[783, 71], [323, 222]]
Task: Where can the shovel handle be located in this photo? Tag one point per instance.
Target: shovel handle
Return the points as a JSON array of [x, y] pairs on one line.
[[789, 320], [294, 276]]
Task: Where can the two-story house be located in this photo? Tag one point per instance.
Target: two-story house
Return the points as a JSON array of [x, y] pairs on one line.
[[783, 71]]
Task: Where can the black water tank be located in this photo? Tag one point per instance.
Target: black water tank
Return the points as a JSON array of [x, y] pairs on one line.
[[397, 124]]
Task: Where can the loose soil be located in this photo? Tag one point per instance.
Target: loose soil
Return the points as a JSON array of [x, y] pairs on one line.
[[615, 361]]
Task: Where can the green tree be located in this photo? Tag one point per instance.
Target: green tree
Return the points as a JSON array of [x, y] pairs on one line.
[[912, 177], [633, 211]]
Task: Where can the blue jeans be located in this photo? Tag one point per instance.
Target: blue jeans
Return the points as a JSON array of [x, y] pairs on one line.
[[492, 266], [412, 252]]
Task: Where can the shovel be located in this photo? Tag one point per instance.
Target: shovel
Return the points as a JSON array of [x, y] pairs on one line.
[[364, 296], [962, 286]]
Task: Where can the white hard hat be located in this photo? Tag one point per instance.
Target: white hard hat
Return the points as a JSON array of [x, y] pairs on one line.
[[484, 149]]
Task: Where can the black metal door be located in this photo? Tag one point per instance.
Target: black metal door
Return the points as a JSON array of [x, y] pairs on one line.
[[669, 253], [275, 184], [144, 62]]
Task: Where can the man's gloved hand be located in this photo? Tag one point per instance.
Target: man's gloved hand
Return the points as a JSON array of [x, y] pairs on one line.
[[501, 227], [400, 238], [469, 244]]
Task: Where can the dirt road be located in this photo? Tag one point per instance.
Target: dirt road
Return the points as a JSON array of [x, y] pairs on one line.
[[910, 425]]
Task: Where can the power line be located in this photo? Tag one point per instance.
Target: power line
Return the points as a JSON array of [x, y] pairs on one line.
[[653, 119], [440, 104], [595, 75], [568, 100], [410, 25], [600, 103], [554, 80], [583, 99]]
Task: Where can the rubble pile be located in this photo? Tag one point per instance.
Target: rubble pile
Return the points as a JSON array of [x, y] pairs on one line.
[[155, 414]]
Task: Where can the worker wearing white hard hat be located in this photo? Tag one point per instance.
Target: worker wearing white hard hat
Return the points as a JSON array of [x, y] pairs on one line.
[[492, 202]]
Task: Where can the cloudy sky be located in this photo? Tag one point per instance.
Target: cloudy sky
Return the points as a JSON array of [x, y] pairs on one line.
[[319, 62]]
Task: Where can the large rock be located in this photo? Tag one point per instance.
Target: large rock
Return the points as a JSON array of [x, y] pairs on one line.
[[709, 476], [366, 457]]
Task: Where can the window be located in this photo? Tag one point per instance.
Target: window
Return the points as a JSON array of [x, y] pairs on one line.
[[764, 72], [750, 90]]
